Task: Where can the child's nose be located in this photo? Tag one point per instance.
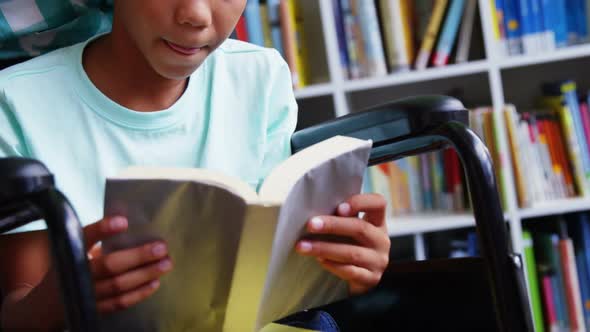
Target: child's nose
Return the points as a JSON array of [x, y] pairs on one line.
[[196, 13]]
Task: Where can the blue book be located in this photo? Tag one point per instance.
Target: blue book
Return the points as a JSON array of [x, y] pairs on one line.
[[571, 21], [538, 26], [472, 247], [568, 88], [558, 284], [561, 36], [274, 18], [527, 26], [448, 33], [581, 20], [549, 22], [581, 236], [254, 22], [513, 26], [342, 46]]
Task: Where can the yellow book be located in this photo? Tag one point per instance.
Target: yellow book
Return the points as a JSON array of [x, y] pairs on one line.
[[511, 119], [495, 18], [429, 39], [407, 10], [265, 25], [301, 56], [287, 17]]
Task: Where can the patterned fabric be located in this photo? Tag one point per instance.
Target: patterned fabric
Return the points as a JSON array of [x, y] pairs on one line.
[[33, 27]]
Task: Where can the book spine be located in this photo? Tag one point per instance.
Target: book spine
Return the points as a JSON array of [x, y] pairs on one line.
[[571, 98], [429, 38], [513, 27], [265, 25], [527, 27], [584, 287], [359, 40], [571, 21], [531, 267], [372, 38], [274, 17], [549, 23], [349, 23], [241, 30], [296, 13], [549, 304], [289, 40], [398, 31], [254, 22], [560, 27], [539, 32], [563, 161], [340, 33], [449, 33], [510, 120], [572, 292], [466, 31], [497, 8], [406, 15]]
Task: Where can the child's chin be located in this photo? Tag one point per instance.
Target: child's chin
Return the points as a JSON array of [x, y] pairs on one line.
[[176, 72]]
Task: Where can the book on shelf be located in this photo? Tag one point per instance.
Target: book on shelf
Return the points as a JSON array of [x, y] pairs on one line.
[[233, 247], [557, 257], [549, 145], [414, 34], [532, 26]]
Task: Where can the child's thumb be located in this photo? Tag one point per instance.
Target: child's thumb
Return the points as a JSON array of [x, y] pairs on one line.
[[102, 229]]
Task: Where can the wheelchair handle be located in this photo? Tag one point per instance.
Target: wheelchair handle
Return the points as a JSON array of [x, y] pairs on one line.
[[421, 124]]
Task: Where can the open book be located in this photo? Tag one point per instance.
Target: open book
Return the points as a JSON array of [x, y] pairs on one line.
[[235, 267]]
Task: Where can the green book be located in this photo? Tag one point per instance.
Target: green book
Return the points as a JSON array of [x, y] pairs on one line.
[[531, 268]]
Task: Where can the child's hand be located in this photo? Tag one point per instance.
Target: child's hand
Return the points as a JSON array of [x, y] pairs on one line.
[[362, 262], [126, 277]]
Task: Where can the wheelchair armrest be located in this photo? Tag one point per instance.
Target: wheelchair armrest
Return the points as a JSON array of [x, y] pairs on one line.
[[388, 123]]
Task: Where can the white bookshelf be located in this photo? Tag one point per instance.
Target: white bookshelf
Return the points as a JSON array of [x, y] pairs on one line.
[[492, 69]]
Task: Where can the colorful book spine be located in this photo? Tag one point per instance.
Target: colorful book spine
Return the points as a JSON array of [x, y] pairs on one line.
[[265, 25], [369, 24], [241, 30], [274, 17], [531, 268], [549, 23], [513, 27], [511, 120], [568, 89], [497, 8], [429, 38], [408, 30], [449, 33], [571, 284], [550, 313], [340, 33], [351, 39], [254, 22], [464, 42], [401, 55]]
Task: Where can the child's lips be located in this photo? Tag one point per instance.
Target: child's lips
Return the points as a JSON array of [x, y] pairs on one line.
[[183, 50]]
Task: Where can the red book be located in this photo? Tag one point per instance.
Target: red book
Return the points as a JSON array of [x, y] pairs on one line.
[[549, 304], [585, 121], [571, 285], [241, 29]]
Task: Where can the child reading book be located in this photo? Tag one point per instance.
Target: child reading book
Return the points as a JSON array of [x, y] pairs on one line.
[[164, 88]]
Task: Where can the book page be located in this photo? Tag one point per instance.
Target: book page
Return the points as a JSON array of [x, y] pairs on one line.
[[295, 282], [202, 226]]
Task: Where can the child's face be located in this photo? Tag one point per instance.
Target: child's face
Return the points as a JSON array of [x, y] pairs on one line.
[[175, 36]]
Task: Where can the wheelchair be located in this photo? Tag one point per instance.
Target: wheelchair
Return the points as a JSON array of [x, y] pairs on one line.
[[485, 293]]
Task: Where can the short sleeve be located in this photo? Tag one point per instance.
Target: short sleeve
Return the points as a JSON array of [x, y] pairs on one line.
[[13, 144], [281, 118]]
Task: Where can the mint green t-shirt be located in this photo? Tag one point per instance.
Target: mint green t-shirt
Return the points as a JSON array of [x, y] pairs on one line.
[[236, 116]]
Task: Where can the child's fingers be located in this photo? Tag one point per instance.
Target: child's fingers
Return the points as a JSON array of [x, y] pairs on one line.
[[128, 299], [128, 259], [373, 205], [360, 230], [344, 253], [358, 278], [102, 229], [131, 280]]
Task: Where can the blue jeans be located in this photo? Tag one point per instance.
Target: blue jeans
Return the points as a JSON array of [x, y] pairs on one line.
[[311, 319]]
